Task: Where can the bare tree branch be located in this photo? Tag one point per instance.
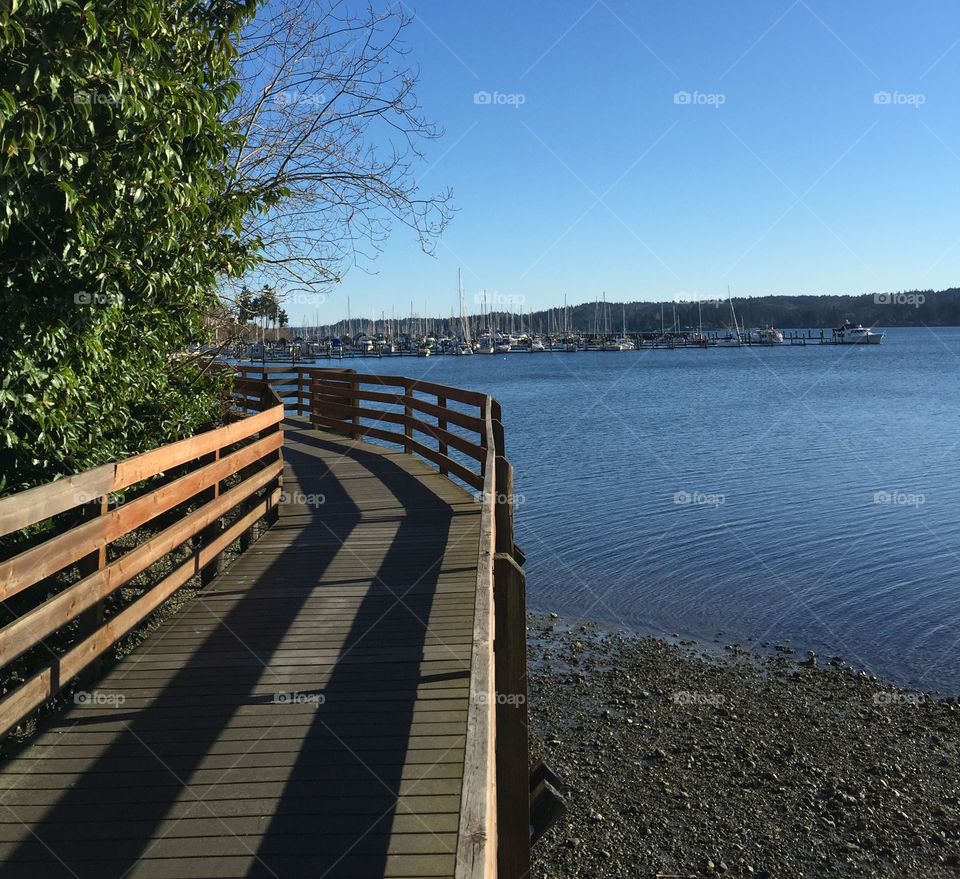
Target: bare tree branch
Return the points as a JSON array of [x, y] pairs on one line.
[[332, 136]]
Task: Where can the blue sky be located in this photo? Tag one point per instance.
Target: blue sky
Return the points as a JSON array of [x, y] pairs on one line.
[[656, 150]]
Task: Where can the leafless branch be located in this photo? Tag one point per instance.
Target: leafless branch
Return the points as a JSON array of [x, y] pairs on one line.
[[333, 130]]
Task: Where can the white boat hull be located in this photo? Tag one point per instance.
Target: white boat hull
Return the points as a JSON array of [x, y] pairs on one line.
[[872, 339]]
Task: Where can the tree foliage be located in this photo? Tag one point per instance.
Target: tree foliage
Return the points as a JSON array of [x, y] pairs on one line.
[[119, 217], [152, 152]]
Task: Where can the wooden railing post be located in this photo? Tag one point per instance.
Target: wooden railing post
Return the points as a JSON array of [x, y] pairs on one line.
[[92, 619], [355, 405], [271, 516], [510, 690], [496, 416], [209, 534], [484, 435], [314, 414], [442, 424], [300, 383], [407, 415], [503, 505]]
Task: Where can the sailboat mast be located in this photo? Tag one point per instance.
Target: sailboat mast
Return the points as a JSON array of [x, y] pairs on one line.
[[733, 313]]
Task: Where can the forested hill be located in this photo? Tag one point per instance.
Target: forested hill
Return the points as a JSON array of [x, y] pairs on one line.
[[909, 308]]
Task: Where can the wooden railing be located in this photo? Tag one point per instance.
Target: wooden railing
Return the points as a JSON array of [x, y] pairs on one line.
[[461, 433], [182, 505]]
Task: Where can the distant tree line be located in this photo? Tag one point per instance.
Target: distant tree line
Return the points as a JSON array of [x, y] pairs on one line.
[[908, 308]]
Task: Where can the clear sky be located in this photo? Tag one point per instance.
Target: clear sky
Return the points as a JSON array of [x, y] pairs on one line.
[[655, 150]]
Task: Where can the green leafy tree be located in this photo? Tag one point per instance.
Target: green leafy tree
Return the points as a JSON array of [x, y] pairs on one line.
[[120, 211]]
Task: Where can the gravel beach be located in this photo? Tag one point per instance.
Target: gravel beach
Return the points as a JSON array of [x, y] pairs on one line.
[[679, 762]]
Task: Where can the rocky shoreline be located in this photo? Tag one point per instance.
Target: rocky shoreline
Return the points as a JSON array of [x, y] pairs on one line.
[[681, 763]]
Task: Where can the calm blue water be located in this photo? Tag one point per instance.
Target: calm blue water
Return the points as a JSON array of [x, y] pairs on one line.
[[802, 494]]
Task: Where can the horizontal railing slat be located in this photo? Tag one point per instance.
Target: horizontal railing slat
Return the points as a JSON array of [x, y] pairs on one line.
[[31, 627], [34, 505], [470, 422], [473, 398], [142, 467], [472, 479], [41, 686], [39, 562], [478, 453]]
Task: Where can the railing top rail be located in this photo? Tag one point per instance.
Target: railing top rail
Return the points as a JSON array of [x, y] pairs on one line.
[[461, 395], [477, 838], [23, 509], [69, 572]]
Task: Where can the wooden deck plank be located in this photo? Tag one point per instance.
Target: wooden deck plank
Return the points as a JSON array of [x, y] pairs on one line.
[[187, 764]]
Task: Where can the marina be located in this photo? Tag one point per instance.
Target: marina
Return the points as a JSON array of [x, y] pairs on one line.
[[772, 503], [300, 349]]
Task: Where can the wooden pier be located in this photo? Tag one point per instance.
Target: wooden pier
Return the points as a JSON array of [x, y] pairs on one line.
[[345, 698]]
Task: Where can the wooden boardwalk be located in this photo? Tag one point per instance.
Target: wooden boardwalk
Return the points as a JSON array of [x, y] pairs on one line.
[[305, 716]]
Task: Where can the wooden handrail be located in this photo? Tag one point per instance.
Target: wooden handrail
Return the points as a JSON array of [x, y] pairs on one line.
[[78, 519], [465, 442]]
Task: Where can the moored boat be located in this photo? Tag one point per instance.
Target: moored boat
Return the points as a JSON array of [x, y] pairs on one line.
[[856, 334], [766, 336]]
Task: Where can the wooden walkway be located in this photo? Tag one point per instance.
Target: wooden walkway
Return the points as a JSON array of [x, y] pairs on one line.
[[304, 717]]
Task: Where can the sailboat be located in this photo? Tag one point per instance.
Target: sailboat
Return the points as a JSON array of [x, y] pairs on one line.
[[608, 344], [485, 345], [731, 341], [570, 343], [698, 338], [466, 346]]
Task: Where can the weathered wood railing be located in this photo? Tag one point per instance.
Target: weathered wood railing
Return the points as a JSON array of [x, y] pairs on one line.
[[461, 433], [189, 501]]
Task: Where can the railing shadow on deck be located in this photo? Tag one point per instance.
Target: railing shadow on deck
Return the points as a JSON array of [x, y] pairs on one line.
[[493, 837], [459, 432], [307, 803], [380, 751]]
